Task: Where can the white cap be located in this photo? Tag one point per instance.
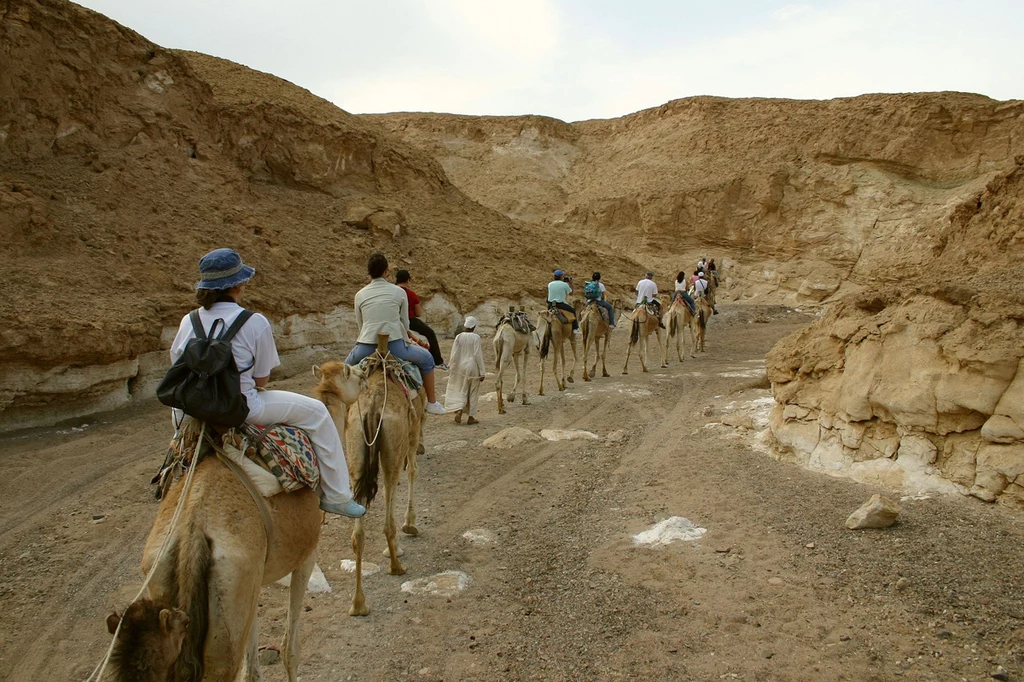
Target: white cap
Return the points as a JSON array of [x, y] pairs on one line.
[[470, 322]]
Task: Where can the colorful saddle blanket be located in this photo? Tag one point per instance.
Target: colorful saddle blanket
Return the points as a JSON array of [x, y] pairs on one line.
[[520, 322], [283, 450]]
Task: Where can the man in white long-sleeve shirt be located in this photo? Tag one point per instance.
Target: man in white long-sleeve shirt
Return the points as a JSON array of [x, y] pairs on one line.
[[383, 308]]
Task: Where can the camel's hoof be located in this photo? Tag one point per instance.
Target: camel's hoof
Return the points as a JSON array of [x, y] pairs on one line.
[[387, 552], [525, 401], [501, 411], [586, 378], [561, 388], [410, 530], [645, 369], [625, 373], [360, 610], [420, 450], [396, 570], [511, 397], [605, 374], [570, 380]]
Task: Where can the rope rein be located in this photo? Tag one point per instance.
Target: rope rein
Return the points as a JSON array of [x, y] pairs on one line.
[[97, 673], [359, 407]]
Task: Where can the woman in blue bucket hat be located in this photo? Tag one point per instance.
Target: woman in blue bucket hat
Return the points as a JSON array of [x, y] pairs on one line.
[[222, 280]]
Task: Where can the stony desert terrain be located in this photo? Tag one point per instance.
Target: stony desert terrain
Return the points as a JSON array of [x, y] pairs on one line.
[[870, 341]]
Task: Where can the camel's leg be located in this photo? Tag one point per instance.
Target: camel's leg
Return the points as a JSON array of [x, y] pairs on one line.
[[296, 593], [643, 350], [541, 391], [586, 352], [252, 671], [390, 531], [409, 527], [560, 372], [358, 607], [604, 355], [629, 351], [502, 364], [663, 345], [521, 375], [575, 358], [234, 592]]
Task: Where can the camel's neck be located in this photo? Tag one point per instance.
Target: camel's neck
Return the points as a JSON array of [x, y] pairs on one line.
[[339, 411]]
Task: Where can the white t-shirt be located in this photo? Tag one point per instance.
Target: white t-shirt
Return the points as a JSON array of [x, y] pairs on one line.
[[382, 308], [253, 346], [681, 286], [646, 288], [699, 287]]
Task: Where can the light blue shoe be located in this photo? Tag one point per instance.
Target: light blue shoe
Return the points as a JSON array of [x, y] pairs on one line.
[[351, 509]]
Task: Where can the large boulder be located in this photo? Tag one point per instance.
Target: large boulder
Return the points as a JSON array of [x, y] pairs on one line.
[[877, 512]]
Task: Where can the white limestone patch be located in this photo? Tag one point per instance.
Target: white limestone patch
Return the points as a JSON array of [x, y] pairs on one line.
[[668, 531], [568, 434], [480, 537], [317, 581], [445, 584], [369, 568], [450, 446], [742, 372]]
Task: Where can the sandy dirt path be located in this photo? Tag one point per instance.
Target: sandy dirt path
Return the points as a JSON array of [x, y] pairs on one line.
[[777, 589]]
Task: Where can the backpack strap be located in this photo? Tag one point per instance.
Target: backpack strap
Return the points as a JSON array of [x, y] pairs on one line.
[[230, 332], [197, 324]]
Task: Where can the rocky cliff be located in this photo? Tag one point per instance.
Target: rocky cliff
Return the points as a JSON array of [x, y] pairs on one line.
[[122, 162]]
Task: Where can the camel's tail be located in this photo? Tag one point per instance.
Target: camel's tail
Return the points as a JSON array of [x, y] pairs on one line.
[[192, 558], [634, 334], [702, 319], [545, 343], [365, 488], [673, 324]]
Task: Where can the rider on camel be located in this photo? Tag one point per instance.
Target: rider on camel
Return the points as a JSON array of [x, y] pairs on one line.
[[402, 279], [222, 279], [558, 291], [680, 292], [383, 308], [600, 299], [647, 294]]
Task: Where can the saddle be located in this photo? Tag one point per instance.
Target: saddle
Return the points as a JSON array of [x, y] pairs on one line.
[[600, 309], [564, 316], [282, 451], [404, 373], [520, 322]]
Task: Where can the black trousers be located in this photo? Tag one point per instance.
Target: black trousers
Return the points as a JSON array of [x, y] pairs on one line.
[[421, 327], [569, 309]]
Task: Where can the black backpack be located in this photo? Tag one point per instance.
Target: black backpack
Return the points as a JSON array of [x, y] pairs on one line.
[[204, 382]]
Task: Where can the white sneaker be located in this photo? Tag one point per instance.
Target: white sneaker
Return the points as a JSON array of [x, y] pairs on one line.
[[577, 332], [435, 408]]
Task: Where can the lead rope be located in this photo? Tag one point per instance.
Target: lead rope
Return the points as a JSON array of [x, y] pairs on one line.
[[97, 673], [359, 407]]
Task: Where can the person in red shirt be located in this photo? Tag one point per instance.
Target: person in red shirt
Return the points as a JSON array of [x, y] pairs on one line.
[[402, 279]]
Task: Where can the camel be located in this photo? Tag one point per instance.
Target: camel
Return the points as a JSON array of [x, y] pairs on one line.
[[384, 431], [644, 324], [148, 643], [551, 330], [228, 542], [220, 557], [512, 347], [679, 316], [595, 330], [704, 312]]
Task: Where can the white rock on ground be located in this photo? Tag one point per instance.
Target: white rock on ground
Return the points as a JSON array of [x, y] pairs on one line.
[[512, 437], [668, 531], [568, 434], [317, 581], [446, 584], [878, 512]]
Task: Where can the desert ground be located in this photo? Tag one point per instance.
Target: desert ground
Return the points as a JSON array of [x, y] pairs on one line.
[[555, 585]]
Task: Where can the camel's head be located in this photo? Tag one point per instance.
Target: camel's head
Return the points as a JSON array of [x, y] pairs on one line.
[[339, 379], [151, 634]]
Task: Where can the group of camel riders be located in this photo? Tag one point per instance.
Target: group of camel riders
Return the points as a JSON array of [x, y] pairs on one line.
[[686, 288], [380, 308]]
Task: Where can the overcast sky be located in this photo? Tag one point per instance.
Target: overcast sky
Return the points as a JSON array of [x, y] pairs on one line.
[[579, 59]]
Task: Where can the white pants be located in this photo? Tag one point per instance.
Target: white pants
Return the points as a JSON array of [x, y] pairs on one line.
[[310, 415]]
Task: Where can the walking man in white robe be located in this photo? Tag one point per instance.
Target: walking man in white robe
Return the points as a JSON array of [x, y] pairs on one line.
[[466, 373]]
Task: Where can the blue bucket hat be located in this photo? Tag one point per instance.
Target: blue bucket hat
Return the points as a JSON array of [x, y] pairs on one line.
[[223, 269], [558, 273]]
